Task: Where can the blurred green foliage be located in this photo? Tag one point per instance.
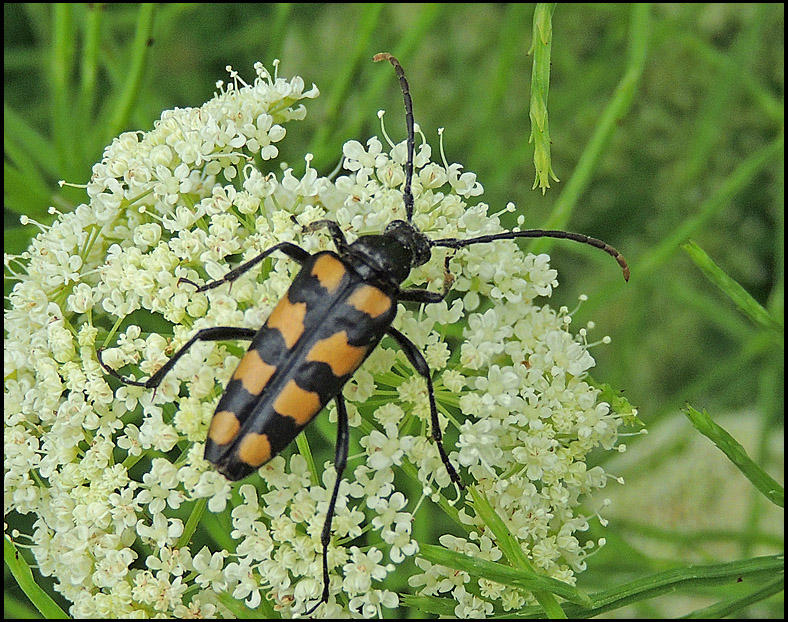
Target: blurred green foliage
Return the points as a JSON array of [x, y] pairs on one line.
[[698, 154]]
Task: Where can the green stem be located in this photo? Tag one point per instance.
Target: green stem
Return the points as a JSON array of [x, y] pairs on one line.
[[363, 32], [658, 256], [89, 73], [139, 56], [61, 60]]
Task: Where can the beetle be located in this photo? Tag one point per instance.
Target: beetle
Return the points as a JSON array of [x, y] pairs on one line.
[[336, 311]]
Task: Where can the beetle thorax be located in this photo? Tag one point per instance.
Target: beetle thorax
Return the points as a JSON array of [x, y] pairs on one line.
[[400, 248]]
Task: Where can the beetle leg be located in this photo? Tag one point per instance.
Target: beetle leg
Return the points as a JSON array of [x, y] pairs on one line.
[[288, 248], [333, 228], [425, 296], [340, 461], [416, 359], [215, 333]]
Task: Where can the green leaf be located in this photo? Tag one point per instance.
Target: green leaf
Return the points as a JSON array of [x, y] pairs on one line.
[[618, 403], [736, 454], [511, 549], [191, 524], [430, 604], [241, 610], [740, 297], [671, 580], [500, 573], [756, 570], [731, 606], [24, 577]]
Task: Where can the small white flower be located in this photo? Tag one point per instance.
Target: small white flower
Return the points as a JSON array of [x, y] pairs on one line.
[[162, 532], [81, 298], [389, 513], [216, 487], [399, 538], [369, 605], [209, 568], [147, 235], [389, 414], [362, 569], [371, 484], [246, 583], [157, 434], [385, 450]]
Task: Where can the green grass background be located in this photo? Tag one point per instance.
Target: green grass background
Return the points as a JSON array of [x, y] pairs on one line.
[[697, 154]]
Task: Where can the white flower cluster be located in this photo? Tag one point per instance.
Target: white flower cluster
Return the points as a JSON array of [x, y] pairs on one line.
[[110, 472]]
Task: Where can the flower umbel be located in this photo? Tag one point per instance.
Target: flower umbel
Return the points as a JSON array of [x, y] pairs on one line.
[[111, 470]]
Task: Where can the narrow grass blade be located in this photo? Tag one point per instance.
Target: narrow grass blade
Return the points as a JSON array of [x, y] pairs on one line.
[[191, 524], [500, 573], [715, 104], [88, 68], [24, 577], [363, 32], [671, 580], [718, 60], [218, 527], [740, 297], [303, 448], [506, 541], [511, 549], [732, 606], [121, 109], [757, 570], [736, 454], [22, 195], [39, 148], [659, 255], [241, 610], [730, 187], [426, 16], [61, 60], [434, 605]]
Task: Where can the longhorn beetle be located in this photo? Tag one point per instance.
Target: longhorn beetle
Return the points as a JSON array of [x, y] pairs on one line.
[[337, 310]]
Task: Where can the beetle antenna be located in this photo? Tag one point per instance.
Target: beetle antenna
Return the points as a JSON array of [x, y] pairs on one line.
[[539, 233], [407, 195]]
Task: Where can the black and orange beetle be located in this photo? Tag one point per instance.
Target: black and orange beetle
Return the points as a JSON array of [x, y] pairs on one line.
[[337, 310]]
